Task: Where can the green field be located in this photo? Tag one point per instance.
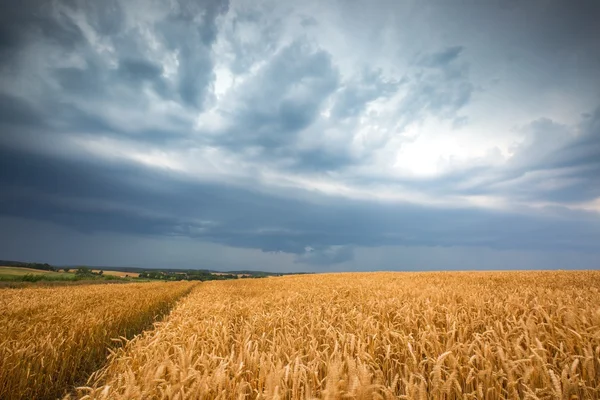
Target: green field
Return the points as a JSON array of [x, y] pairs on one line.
[[20, 271], [10, 274]]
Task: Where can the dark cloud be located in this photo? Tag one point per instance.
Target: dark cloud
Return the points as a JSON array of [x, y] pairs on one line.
[[440, 89], [442, 58], [326, 256], [90, 82], [573, 161], [16, 111], [248, 52], [202, 15], [89, 196], [289, 92], [554, 163], [106, 18], [354, 96], [114, 68], [584, 149], [283, 98], [85, 73], [34, 19], [307, 22], [320, 159], [190, 30], [140, 69]]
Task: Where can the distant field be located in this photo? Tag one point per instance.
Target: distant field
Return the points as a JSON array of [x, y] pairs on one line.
[[14, 275], [20, 271], [471, 335], [21, 276], [17, 271], [120, 274]]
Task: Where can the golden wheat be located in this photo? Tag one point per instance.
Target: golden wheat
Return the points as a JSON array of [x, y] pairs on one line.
[[372, 335], [52, 338]]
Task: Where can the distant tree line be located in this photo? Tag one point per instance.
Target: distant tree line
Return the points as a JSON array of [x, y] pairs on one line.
[[86, 271], [83, 272], [43, 267], [80, 274], [186, 276]]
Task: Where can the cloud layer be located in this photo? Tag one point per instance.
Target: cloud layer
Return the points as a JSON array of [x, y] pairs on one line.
[[309, 136]]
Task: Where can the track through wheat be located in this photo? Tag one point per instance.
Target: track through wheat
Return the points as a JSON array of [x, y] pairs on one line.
[[52, 338]]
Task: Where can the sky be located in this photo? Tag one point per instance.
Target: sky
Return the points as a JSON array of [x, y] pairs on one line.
[[301, 135]]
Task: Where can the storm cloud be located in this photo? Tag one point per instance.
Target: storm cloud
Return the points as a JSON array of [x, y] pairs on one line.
[[298, 139]]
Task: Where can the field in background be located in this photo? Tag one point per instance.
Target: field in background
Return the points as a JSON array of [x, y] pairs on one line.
[[14, 276], [23, 274], [53, 338], [363, 336], [120, 274], [20, 271]]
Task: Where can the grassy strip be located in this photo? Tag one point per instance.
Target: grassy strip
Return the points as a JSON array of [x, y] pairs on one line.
[[53, 338]]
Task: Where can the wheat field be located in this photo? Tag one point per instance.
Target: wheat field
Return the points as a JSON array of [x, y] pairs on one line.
[[53, 338], [496, 335]]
